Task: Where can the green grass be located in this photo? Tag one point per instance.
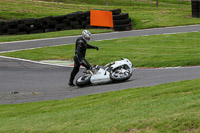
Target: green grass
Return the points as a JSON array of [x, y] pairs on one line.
[[144, 51], [121, 2], [144, 14], [9, 38], [172, 107]]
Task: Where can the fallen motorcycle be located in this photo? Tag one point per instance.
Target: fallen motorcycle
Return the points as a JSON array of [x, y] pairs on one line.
[[117, 71]]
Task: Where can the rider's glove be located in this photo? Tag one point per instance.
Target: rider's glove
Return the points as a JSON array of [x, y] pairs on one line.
[[97, 48]]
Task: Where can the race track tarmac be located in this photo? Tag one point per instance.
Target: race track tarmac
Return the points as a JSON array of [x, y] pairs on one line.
[[24, 81], [29, 44]]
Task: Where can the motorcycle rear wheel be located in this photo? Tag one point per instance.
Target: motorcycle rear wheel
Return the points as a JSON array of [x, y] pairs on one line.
[[83, 80]]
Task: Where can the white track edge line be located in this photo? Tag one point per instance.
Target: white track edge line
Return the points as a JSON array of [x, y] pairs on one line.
[[36, 62]]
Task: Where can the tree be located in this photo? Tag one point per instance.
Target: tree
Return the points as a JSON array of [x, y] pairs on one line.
[[156, 3], [106, 2]]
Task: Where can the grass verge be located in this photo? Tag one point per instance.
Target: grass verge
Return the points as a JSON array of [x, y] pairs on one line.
[[8, 38], [143, 13], [172, 107], [144, 51]]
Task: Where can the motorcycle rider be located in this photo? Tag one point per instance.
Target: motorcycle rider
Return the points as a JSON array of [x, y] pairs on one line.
[[79, 57]]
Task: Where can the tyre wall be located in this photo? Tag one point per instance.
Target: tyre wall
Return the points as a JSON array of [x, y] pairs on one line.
[[121, 21], [76, 20], [195, 8]]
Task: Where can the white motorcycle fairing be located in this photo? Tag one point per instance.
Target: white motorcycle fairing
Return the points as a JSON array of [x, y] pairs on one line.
[[102, 76], [121, 63]]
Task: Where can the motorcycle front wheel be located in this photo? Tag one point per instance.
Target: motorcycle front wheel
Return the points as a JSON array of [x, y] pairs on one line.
[[120, 74], [83, 80]]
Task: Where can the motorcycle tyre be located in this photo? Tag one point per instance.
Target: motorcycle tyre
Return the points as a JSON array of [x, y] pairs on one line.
[[120, 79], [82, 83]]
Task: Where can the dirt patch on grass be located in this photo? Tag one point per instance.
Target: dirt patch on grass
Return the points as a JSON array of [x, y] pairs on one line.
[[58, 62]]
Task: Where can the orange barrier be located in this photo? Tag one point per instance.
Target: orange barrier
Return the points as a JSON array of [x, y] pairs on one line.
[[101, 18]]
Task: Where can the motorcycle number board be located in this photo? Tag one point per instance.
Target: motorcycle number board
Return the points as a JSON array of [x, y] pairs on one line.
[[101, 18]]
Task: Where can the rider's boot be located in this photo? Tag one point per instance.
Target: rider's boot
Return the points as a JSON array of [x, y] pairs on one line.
[[71, 83]]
